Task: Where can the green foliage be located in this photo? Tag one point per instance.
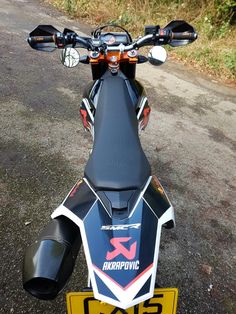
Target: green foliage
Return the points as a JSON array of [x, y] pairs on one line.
[[226, 11], [70, 6], [124, 19], [230, 61], [203, 53]]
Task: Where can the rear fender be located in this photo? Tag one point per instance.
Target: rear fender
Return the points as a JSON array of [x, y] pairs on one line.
[[122, 254]]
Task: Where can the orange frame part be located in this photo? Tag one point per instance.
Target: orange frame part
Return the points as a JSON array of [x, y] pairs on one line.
[[109, 58]]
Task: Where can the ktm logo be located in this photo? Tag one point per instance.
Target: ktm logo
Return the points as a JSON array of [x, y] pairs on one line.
[[121, 249]]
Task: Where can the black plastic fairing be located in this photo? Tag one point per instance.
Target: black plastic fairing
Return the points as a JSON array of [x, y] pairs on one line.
[[155, 197], [80, 199], [180, 26], [119, 204], [43, 30]]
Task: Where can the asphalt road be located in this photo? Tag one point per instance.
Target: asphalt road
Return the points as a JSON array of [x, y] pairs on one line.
[[190, 143]]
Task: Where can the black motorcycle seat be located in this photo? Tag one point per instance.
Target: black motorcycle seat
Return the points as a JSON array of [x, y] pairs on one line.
[[117, 161]]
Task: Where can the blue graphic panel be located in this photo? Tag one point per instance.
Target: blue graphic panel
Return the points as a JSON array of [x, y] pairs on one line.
[[121, 249]]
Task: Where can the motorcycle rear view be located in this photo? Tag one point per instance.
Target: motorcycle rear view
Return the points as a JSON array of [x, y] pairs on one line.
[[118, 208]]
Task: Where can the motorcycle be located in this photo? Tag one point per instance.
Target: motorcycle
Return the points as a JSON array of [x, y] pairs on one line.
[[118, 208]]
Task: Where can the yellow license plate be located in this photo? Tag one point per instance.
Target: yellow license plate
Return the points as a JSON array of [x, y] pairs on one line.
[[164, 301]]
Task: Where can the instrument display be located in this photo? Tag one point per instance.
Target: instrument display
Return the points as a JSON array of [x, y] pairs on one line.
[[114, 38]]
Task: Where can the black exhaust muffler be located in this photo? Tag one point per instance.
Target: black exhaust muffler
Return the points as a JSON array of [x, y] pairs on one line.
[[49, 262]]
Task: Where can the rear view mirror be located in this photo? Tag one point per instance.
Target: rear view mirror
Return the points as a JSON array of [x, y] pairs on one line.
[[157, 55], [70, 57]]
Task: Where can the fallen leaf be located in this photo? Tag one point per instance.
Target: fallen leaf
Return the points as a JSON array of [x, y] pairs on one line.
[[206, 269]]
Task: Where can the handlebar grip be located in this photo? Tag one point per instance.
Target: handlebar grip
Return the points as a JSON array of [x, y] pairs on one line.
[[41, 39], [191, 36]]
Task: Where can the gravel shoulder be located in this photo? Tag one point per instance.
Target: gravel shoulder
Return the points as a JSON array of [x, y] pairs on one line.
[[190, 143]]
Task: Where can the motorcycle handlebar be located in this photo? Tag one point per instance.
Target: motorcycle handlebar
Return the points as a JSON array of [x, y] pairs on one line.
[[183, 36], [163, 37], [61, 40], [41, 39]]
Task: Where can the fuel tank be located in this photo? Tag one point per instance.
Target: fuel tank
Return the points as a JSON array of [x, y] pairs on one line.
[[138, 101]]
